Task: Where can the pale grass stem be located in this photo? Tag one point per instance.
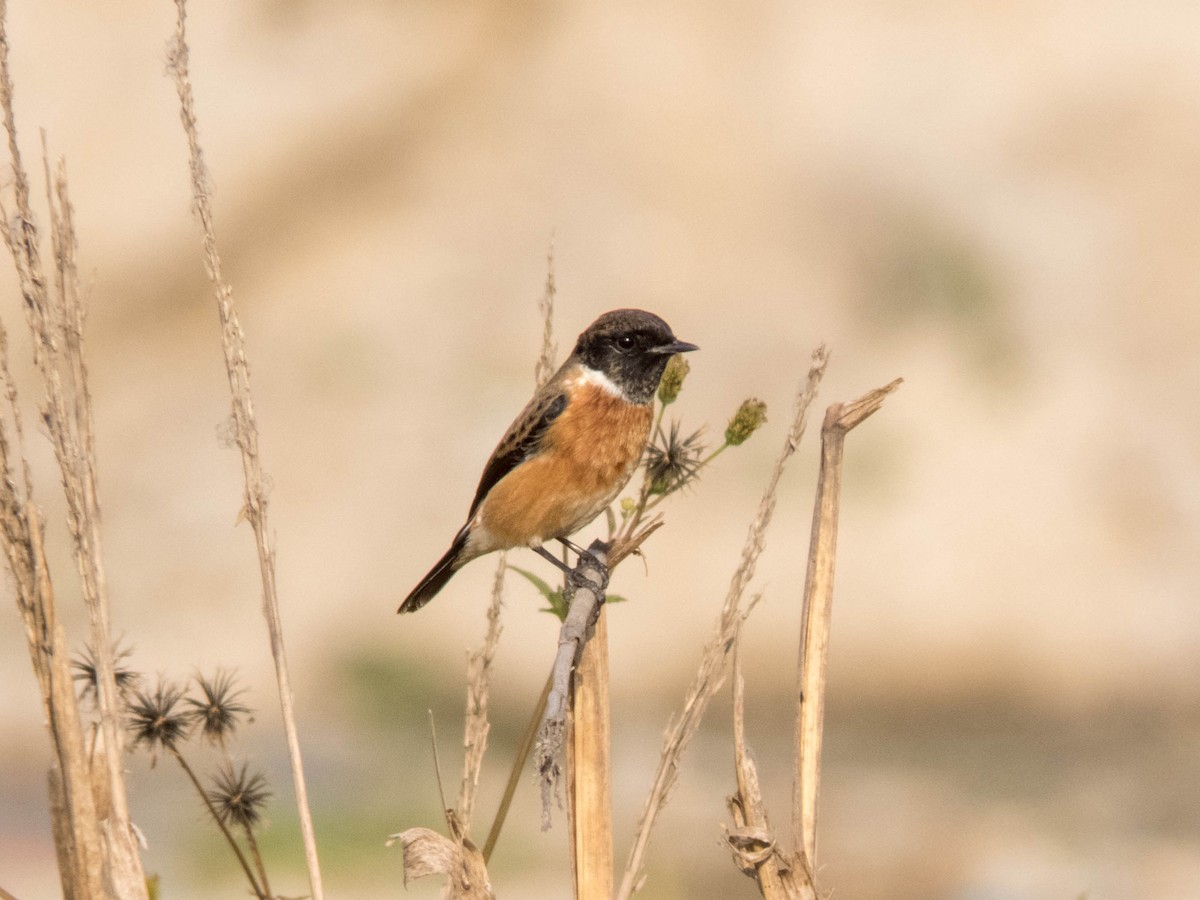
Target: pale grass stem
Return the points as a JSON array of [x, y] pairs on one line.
[[246, 436]]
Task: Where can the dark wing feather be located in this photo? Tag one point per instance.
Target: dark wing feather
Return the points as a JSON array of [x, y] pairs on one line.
[[523, 440]]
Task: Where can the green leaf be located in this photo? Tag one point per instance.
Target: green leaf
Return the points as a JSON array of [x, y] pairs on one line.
[[553, 596]]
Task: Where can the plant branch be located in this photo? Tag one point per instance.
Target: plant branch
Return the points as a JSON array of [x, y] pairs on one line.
[[582, 612]]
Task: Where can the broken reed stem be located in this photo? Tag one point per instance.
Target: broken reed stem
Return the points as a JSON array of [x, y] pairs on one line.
[[589, 769], [818, 602], [246, 435], [714, 659], [752, 841]]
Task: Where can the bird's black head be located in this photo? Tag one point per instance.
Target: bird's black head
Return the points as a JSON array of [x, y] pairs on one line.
[[631, 347]]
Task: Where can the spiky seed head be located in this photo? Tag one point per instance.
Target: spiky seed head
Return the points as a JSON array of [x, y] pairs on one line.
[[86, 668], [239, 796], [153, 718], [217, 711], [749, 417], [672, 461]]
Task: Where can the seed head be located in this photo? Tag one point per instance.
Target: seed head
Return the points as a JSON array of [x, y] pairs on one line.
[[153, 717], [239, 797], [671, 462], [672, 379], [85, 668], [750, 415], [216, 711]]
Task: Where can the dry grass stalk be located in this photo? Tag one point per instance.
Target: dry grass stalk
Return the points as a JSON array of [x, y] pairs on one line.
[[589, 769], [818, 601], [97, 849], [753, 842], [246, 435], [476, 728], [545, 364], [714, 660]]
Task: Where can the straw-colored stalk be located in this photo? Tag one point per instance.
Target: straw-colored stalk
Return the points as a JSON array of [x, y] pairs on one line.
[[818, 603], [245, 428], [714, 660], [98, 854], [589, 769]]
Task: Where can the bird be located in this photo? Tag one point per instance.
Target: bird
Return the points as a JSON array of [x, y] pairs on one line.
[[572, 449]]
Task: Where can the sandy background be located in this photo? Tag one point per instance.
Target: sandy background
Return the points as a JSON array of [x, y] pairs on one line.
[[996, 202]]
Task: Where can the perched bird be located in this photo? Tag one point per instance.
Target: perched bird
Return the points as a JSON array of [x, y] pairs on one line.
[[570, 451]]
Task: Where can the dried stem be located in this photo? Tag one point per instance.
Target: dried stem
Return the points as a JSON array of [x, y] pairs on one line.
[[589, 768], [102, 855], [545, 364], [581, 614], [514, 775], [246, 435], [479, 676], [753, 843], [229, 838], [714, 660], [818, 601]]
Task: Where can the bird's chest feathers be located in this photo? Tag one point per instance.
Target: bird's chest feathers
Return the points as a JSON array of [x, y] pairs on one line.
[[600, 435], [587, 455]]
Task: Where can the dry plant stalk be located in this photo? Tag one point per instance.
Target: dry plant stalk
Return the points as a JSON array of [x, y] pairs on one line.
[[752, 840], [479, 679], [715, 657], [589, 768], [755, 848], [246, 435], [581, 614], [818, 603], [423, 849], [97, 850]]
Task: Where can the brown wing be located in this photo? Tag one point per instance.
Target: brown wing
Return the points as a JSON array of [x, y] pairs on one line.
[[524, 439]]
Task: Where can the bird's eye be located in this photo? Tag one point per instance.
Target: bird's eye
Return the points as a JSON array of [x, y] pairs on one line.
[[626, 342]]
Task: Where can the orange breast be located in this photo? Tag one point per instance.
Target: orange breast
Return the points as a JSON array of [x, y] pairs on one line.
[[589, 454]]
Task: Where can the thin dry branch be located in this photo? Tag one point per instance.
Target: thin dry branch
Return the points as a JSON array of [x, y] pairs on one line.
[[714, 659], [246, 435], [818, 603]]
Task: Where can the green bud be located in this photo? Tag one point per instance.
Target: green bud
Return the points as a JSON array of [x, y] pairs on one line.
[[750, 415], [672, 380]]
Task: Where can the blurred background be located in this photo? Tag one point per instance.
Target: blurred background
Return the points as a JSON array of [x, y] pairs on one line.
[[994, 201]]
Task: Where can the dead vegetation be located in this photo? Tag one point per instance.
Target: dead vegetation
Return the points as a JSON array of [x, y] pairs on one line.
[[96, 841]]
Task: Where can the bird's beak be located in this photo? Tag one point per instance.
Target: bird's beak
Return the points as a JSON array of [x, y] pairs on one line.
[[674, 347]]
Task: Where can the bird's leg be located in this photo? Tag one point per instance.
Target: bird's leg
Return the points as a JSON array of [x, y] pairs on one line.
[[588, 557], [547, 555], [575, 577]]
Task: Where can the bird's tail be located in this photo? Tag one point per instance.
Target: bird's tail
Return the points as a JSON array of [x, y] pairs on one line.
[[438, 575]]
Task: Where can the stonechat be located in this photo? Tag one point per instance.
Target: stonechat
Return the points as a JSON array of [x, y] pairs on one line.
[[570, 451]]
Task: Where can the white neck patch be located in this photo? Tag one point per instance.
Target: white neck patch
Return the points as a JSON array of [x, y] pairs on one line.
[[588, 375]]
